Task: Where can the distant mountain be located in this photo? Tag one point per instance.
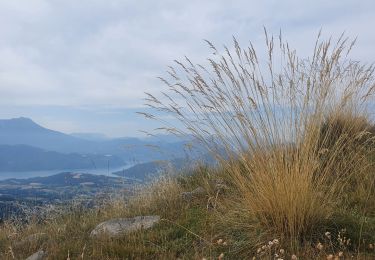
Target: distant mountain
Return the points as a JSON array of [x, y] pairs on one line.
[[142, 171], [148, 171], [163, 138], [27, 158], [90, 136], [24, 131]]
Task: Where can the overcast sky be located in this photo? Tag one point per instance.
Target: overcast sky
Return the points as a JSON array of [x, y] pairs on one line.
[[82, 66]]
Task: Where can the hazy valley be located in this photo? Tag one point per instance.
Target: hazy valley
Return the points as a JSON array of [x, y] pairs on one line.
[[41, 167]]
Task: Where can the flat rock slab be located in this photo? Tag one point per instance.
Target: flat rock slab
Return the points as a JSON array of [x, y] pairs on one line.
[[122, 226], [37, 256]]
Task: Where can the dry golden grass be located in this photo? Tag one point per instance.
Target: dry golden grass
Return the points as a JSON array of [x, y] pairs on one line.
[[269, 122]]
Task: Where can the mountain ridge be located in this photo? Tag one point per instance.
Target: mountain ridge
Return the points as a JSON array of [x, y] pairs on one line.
[[16, 158], [24, 131]]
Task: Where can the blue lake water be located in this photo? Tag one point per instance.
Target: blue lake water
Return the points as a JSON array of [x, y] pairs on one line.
[[30, 174]]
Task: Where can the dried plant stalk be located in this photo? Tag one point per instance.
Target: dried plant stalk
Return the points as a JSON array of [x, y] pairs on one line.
[[269, 123]]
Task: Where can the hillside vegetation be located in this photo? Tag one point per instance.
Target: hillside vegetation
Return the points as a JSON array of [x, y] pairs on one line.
[[294, 177]]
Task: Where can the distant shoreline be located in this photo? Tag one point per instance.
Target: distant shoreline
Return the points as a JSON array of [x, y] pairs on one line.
[[46, 173]]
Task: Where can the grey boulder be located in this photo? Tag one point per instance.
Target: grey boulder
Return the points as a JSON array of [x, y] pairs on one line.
[[122, 226]]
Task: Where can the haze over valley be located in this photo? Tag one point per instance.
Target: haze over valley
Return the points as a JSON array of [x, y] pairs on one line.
[[36, 164]]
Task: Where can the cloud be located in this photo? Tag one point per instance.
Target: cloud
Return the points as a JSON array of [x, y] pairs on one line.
[[95, 53]]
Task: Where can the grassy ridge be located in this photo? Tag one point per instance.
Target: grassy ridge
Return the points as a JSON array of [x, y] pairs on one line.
[[204, 227]]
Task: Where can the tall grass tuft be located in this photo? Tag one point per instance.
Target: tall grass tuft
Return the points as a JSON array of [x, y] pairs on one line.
[[289, 132]]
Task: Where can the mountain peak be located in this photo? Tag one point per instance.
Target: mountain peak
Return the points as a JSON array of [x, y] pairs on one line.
[[22, 119], [19, 123]]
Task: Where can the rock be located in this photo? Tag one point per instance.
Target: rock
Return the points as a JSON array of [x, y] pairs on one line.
[[122, 226], [189, 195], [31, 239], [37, 256]]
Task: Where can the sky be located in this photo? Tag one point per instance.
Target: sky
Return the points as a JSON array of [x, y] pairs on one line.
[[83, 66]]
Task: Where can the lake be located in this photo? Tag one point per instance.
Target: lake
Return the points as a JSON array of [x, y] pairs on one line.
[[30, 174]]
